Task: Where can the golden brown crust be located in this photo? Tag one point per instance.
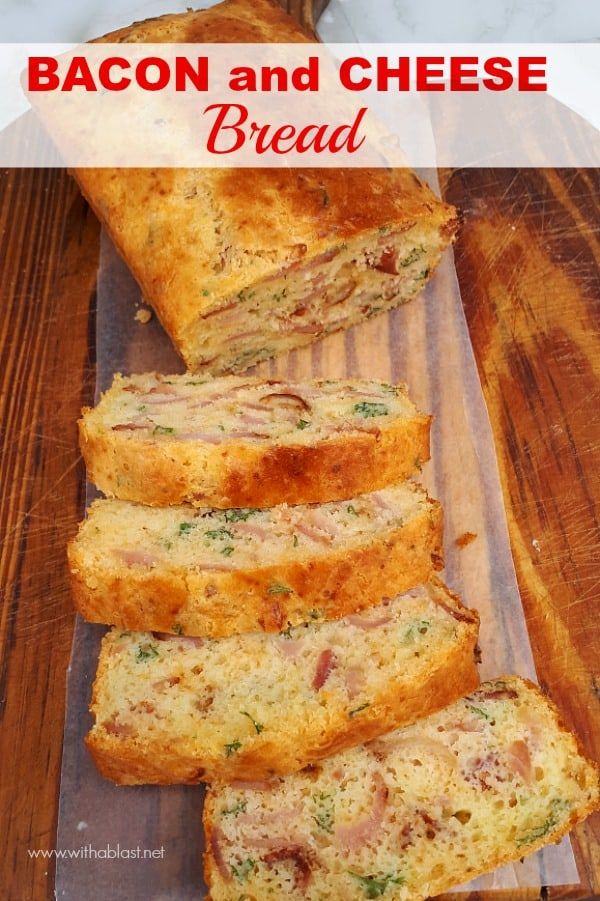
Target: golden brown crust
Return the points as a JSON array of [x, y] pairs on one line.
[[165, 762], [218, 604], [234, 21], [237, 474]]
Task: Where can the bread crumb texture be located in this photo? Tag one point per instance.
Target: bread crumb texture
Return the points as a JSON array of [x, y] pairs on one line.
[[174, 709], [235, 441], [220, 572], [486, 781]]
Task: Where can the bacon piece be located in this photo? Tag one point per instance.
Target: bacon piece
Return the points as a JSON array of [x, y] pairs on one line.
[[300, 856], [250, 528], [161, 399], [227, 306], [379, 502], [123, 730], [388, 262], [135, 557], [285, 815], [520, 760], [461, 616], [343, 293], [354, 679], [259, 785], [312, 533], [365, 624], [325, 666], [192, 640], [217, 839], [167, 682], [354, 836], [285, 401], [131, 426], [289, 647], [497, 694], [199, 436]]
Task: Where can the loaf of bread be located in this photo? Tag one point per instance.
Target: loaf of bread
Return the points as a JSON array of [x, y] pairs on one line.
[[222, 572], [243, 264], [246, 442], [490, 779], [172, 709]]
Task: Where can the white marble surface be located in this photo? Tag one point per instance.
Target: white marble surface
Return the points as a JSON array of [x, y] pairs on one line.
[[344, 20]]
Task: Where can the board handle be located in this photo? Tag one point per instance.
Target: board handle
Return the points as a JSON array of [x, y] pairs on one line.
[[305, 12]]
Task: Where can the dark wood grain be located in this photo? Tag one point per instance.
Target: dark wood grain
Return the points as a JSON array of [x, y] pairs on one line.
[[48, 256]]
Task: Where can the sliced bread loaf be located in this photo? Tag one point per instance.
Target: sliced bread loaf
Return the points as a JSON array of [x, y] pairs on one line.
[[173, 709], [486, 781], [221, 572], [245, 442], [242, 264]]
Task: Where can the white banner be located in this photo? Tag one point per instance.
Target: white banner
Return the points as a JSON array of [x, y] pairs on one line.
[[296, 105]]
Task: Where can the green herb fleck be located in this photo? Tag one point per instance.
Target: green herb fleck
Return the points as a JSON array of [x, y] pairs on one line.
[[418, 463], [195, 383], [142, 409], [376, 887], [557, 807], [218, 533], [279, 589], [186, 527], [479, 712], [383, 229], [324, 816], [421, 626], [425, 272], [415, 254], [228, 551], [356, 710], [351, 509], [302, 424], [367, 409], [232, 747], [221, 427], [315, 614], [205, 293], [146, 652], [240, 807], [243, 870], [287, 633], [239, 515], [163, 430], [177, 628], [258, 726], [389, 389], [295, 542]]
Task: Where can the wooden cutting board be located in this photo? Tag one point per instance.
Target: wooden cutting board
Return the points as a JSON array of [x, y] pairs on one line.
[[527, 262]]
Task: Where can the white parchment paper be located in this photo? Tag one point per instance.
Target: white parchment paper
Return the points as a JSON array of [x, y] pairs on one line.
[[426, 343]]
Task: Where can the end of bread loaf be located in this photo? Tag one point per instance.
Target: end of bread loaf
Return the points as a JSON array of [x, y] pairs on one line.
[[488, 780], [171, 709], [247, 442], [314, 295]]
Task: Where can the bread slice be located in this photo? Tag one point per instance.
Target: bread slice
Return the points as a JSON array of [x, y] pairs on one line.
[[243, 264], [246, 442], [490, 779], [222, 572], [172, 709]]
